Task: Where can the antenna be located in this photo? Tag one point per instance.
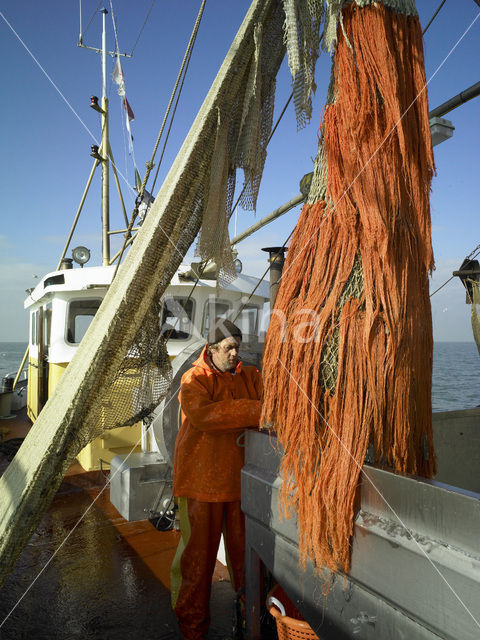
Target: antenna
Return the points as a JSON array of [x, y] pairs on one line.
[[80, 34]]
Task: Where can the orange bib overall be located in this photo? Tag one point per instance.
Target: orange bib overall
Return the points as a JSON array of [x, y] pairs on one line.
[[216, 408]]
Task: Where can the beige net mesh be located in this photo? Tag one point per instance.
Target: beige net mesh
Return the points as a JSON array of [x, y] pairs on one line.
[[142, 380], [244, 123], [302, 38]]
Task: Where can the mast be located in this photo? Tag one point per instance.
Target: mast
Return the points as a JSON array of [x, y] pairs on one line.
[[102, 154], [105, 152]]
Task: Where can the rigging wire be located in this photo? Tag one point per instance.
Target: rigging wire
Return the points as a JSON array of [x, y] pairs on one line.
[[143, 26], [433, 17], [443, 285], [90, 22]]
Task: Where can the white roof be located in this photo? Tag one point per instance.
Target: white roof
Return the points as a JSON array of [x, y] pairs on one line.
[[81, 279], [78, 279]]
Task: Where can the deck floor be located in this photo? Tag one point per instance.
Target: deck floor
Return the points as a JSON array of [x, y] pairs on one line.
[[97, 576]]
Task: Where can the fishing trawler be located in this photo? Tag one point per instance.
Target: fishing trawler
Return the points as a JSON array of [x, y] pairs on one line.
[[371, 604]]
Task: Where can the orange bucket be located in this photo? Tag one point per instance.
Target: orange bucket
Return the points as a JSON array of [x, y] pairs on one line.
[[290, 625]]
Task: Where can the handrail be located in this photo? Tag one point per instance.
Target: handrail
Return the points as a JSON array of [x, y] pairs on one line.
[[20, 369]]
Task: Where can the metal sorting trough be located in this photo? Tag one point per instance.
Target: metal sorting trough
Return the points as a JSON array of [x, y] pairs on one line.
[[415, 570]]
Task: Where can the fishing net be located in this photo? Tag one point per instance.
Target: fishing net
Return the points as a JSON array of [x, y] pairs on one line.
[[302, 39], [244, 123], [348, 355]]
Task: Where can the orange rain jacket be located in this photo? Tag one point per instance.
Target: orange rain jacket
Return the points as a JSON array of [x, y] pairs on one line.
[[216, 408]]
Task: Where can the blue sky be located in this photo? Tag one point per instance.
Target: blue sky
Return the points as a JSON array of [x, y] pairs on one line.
[[45, 161]]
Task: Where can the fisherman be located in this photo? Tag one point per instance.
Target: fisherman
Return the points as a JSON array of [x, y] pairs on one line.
[[219, 399]]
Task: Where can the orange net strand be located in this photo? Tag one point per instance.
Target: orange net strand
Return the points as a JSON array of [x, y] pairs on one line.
[[374, 225]]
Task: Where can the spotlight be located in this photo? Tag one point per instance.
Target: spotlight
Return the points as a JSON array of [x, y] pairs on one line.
[[81, 255], [238, 265]]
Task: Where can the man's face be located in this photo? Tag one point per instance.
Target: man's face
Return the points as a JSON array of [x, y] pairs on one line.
[[225, 353]]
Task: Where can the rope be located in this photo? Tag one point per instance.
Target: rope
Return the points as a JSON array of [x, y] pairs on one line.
[[171, 120], [143, 26], [185, 57], [433, 17]]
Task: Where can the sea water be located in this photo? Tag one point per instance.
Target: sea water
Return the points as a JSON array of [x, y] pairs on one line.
[[456, 372], [456, 376], [11, 355]]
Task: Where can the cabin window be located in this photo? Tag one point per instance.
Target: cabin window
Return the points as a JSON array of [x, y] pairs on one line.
[[215, 309], [34, 328], [177, 318], [59, 279], [48, 323], [80, 315], [248, 319]]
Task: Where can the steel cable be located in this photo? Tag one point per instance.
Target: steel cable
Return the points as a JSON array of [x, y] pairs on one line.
[[143, 26], [433, 17]]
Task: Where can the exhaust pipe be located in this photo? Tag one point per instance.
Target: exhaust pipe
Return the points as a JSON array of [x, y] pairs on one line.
[[276, 258]]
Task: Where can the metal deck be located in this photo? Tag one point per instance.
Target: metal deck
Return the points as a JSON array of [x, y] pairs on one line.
[[99, 577]]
